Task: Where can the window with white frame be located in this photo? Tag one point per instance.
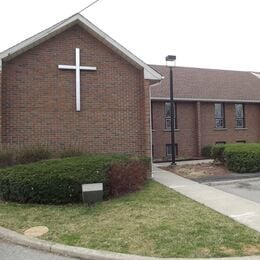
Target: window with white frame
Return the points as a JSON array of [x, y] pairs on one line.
[[240, 115], [241, 141], [219, 115], [169, 150], [168, 115]]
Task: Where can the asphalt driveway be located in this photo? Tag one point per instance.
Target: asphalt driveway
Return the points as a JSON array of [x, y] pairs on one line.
[[9, 251], [245, 188]]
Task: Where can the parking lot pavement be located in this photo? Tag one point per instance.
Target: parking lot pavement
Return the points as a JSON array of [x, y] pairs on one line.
[[247, 188], [9, 251]]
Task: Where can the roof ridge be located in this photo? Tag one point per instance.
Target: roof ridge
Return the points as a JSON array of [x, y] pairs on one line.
[[199, 68], [149, 72]]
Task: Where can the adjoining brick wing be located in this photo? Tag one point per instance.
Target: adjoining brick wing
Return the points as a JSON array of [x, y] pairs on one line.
[[198, 93]]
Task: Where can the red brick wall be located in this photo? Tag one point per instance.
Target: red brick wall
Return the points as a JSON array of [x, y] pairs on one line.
[[147, 119], [0, 106], [210, 135], [38, 99], [185, 135], [191, 136]]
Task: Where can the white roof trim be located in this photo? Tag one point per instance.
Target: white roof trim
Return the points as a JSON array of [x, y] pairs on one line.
[[149, 73], [256, 74], [206, 100]]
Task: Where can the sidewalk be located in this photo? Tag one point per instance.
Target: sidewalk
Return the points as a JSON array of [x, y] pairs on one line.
[[242, 210]]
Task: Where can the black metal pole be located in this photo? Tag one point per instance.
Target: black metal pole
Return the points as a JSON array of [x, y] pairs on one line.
[[172, 118]]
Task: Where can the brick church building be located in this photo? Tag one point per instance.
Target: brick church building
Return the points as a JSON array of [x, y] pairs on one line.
[[74, 85], [211, 106]]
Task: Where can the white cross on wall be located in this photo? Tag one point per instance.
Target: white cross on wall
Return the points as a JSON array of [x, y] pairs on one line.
[[78, 68]]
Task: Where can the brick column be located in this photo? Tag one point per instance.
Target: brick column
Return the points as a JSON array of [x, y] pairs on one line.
[[198, 126], [1, 102], [147, 123]]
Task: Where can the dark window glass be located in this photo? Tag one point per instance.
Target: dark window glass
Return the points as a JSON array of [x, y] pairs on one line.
[[219, 115], [240, 115], [169, 150], [152, 115], [168, 115], [221, 142], [241, 141]]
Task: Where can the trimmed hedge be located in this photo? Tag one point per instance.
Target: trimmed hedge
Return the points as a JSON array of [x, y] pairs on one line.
[[243, 158], [206, 151], [13, 155], [70, 151], [6, 158], [240, 158], [32, 154], [58, 181], [217, 152]]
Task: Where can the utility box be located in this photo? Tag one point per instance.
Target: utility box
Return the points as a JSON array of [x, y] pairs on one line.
[[92, 193]]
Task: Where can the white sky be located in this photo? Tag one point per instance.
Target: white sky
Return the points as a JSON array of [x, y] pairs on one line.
[[202, 33]]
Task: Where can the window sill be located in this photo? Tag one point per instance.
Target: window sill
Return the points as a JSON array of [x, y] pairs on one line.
[[237, 128], [220, 129], [169, 130]]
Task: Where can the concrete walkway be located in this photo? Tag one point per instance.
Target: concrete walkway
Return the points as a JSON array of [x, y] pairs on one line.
[[242, 210]]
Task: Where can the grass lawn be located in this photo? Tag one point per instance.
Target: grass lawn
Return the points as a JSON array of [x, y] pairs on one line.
[[153, 222]]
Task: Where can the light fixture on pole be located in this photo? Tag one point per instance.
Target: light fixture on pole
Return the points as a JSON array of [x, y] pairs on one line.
[[172, 59]]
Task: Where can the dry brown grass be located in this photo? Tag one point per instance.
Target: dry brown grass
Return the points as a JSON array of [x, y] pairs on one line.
[[153, 222]]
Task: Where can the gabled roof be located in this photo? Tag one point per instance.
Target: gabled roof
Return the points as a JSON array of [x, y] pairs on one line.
[[195, 84], [35, 40]]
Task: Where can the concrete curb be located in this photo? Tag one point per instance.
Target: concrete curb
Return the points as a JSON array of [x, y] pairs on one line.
[[227, 182], [84, 253]]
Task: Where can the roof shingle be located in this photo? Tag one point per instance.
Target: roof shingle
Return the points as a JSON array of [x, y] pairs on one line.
[[207, 84]]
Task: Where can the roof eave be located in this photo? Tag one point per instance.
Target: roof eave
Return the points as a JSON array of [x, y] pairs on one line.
[[206, 100], [149, 73]]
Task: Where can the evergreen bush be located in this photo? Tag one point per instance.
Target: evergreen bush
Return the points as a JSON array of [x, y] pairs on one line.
[[243, 158], [59, 181], [206, 151]]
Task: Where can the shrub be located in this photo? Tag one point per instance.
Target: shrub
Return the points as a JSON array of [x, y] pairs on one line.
[[57, 181], [243, 157], [217, 152], [206, 151], [70, 152], [6, 158], [32, 154], [127, 176]]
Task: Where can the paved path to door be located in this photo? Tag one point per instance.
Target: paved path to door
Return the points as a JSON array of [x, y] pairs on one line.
[[242, 210]]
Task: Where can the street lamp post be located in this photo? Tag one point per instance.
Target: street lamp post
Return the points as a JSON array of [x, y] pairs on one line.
[[172, 58]]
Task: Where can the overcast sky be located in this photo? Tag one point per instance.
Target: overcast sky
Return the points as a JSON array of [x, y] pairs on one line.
[[220, 34]]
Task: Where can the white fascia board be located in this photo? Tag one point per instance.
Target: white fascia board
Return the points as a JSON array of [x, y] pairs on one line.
[[206, 100], [256, 74], [149, 73], [32, 41]]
